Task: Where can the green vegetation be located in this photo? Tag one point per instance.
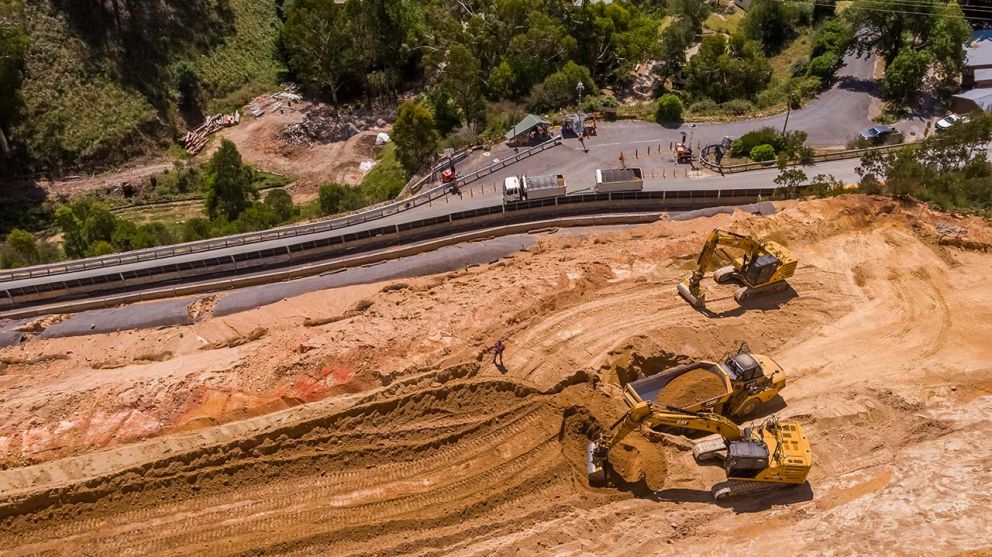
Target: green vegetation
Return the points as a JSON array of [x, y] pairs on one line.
[[669, 109], [102, 80], [762, 153], [950, 169], [382, 183], [227, 187], [914, 43], [415, 135]]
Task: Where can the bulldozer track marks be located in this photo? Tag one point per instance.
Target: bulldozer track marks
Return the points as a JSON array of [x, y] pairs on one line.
[[459, 456]]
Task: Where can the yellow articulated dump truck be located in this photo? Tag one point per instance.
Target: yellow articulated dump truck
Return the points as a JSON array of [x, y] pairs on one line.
[[734, 387]]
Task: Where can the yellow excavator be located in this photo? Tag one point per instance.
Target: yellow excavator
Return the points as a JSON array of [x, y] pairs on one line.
[[761, 269], [773, 454]]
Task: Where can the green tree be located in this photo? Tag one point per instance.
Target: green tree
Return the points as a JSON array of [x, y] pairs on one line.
[[887, 26], [723, 70], [945, 41], [502, 82], [675, 40], [445, 110], [73, 241], [669, 109], [559, 89], [540, 51], [99, 225], [415, 135], [188, 85], [616, 36], [123, 236], [319, 41], [823, 66], [770, 22], [280, 203], [13, 48], [904, 76], [228, 188], [463, 78], [19, 249], [693, 12], [338, 198]]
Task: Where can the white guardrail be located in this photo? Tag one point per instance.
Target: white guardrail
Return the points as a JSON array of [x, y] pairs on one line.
[[271, 234]]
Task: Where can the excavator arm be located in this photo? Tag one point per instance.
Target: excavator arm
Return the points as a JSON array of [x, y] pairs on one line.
[[689, 288], [645, 413]]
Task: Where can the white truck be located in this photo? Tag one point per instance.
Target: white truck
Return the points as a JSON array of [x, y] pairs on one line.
[[619, 179], [519, 188]]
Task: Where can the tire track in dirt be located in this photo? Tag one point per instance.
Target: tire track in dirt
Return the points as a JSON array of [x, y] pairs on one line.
[[452, 452]]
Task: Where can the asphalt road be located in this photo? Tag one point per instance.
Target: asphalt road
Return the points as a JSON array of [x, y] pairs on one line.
[[834, 117]]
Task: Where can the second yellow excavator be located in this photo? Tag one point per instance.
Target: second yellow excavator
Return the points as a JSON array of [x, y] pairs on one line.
[[761, 269], [773, 454]]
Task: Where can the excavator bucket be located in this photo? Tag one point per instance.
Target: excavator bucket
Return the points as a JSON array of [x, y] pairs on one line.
[[696, 302], [594, 464]]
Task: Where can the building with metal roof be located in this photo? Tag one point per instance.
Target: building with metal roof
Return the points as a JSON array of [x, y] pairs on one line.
[[970, 101], [531, 128]]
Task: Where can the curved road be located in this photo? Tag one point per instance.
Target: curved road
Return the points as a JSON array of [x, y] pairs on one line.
[[831, 119]]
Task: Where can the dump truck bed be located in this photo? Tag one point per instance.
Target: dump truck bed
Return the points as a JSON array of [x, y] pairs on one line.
[[648, 388]]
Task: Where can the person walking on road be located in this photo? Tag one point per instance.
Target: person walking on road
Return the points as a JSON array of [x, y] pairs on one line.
[[498, 353]]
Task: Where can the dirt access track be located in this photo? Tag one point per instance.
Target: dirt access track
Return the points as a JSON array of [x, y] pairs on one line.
[[194, 440]]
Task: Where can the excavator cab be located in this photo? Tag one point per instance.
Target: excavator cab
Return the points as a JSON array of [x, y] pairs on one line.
[[745, 459], [761, 269]]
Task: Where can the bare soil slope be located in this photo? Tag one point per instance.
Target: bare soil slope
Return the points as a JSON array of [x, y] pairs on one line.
[[413, 443]]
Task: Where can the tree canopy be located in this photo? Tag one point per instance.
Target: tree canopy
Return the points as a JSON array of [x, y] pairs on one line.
[[228, 188]]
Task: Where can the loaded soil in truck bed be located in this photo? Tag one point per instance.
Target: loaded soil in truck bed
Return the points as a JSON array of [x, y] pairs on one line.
[[690, 388]]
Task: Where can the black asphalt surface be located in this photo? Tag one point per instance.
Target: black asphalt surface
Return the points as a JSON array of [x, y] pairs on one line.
[[135, 316], [448, 258]]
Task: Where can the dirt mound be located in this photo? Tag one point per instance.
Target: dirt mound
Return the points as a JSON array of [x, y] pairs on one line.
[[385, 476], [691, 388]]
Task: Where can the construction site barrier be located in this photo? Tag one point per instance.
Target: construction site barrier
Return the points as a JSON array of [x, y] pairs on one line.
[[823, 157], [187, 248], [322, 246]]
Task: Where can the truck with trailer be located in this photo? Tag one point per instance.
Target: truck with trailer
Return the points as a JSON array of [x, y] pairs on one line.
[[519, 188], [619, 179]]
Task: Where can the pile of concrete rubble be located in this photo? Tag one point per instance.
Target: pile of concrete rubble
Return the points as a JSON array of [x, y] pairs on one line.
[[324, 124]]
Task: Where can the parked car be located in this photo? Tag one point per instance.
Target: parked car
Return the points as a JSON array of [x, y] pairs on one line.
[[877, 133], [947, 121]]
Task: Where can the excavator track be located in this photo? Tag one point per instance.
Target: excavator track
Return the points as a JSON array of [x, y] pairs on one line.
[[725, 275], [741, 488], [748, 293]]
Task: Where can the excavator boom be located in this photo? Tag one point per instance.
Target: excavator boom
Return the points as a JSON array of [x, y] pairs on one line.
[[774, 453], [761, 269]]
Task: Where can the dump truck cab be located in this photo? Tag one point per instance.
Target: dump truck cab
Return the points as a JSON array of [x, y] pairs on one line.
[[748, 382]]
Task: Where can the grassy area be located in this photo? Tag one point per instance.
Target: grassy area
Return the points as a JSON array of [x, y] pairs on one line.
[[97, 93], [725, 24], [246, 64], [386, 179], [796, 52]]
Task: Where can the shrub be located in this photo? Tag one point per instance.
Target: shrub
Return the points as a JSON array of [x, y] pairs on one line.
[[737, 107], [762, 153], [280, 203], [823, 66], [338, 198], [669, 109], [19, 249], [703, 107], [100, 248], [743, 145]]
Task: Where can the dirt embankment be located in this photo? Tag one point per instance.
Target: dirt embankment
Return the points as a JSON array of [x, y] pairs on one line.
[[415, 444]]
